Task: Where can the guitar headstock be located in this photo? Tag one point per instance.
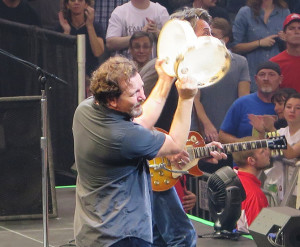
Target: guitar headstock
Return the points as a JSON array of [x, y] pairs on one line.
[[276, 142]]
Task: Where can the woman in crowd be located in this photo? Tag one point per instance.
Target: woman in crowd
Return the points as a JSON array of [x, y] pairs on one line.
[[77, 17], [275, 179], [256, 32], [291, 114]]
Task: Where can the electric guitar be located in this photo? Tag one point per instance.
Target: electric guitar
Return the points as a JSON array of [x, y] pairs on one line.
[[164, 175]]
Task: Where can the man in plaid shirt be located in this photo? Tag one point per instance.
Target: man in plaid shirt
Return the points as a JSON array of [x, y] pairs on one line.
[[103, 9]]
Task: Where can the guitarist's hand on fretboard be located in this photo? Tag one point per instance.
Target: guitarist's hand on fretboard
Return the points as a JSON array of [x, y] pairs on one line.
[[216, 155]]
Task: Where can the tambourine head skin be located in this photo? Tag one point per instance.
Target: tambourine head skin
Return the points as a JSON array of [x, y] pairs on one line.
[[174, 40], [206, 62]]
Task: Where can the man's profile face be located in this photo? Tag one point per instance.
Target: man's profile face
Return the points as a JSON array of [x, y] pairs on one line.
[[141, 50], [262, 158], [202, 28], [267, 80], [132, 97]]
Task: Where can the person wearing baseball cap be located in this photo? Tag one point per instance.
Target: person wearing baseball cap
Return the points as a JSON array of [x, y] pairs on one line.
[[289, 59], [291, 18], [236, 123]]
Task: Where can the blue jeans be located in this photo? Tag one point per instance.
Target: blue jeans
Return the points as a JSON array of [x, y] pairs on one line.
[[171, 226], [131, 242]]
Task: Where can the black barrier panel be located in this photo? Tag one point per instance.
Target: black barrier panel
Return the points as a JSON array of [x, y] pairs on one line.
[[55, 53], [20, 160]]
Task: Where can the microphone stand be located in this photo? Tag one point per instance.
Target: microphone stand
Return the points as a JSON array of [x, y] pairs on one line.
[[43, 77]]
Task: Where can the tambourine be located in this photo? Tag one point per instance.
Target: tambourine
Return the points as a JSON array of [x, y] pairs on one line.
[[205, 59]]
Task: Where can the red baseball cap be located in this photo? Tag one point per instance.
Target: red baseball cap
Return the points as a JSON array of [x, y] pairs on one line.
[[289, 18]]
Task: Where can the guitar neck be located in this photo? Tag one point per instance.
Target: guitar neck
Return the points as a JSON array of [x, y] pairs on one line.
[[204, 152]]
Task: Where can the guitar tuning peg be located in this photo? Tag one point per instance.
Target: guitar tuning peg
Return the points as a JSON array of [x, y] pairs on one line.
[[275, 152]]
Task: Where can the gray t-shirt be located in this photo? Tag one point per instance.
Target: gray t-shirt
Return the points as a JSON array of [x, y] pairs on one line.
[[217, 98], [113, 194]]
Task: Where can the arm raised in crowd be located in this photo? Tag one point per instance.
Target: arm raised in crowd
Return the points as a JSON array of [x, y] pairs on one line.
[[97, 43]]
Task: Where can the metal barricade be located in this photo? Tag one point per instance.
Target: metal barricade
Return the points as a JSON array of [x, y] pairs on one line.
[[198, 185], [290, 182]]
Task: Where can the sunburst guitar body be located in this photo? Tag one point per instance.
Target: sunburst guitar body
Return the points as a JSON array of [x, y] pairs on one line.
[[164, 175]]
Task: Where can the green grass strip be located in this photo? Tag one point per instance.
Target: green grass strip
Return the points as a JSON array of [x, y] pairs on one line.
[[65, 186]]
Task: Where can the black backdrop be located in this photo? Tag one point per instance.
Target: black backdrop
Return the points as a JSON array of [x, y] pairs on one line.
[[57, 54]]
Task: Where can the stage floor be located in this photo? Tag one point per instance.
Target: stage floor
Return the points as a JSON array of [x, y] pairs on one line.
[[29, 233]]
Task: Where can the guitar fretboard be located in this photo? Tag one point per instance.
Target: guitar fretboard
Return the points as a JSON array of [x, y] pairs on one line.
[[204, 152]]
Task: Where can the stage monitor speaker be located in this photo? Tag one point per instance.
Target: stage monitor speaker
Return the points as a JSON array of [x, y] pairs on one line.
[[276, 226], [20, 160]]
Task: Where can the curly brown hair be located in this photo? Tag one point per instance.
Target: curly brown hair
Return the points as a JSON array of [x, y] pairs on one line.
[[67, 12], [105, 81]]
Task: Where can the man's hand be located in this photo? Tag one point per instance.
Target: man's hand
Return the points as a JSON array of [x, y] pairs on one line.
[[269, 121], [257, 122], [262, 123], [161, 73], [189, 200], [151, 27], [179, 160], [216, 156], [211, 133], [187, 88]]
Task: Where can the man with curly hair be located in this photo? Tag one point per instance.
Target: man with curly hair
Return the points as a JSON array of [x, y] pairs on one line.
[[113, 138]]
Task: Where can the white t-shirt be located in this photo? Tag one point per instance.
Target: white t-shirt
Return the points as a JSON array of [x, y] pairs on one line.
[[292, 140], [127, 19], [276, 172]]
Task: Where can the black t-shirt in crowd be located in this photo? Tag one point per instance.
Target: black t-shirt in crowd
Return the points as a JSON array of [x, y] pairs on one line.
[[23, 13]]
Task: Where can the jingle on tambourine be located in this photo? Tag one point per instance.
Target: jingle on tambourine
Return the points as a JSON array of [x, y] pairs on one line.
[[174, 39], [204, 59], [206, 62]]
